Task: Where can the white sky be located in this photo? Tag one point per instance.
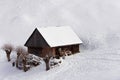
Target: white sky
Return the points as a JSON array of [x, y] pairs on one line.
[[19, 18]]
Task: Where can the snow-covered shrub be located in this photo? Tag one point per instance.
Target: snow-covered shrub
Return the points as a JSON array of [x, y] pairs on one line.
[[33, 59], [55, 62], [27, 61], [67, 53]]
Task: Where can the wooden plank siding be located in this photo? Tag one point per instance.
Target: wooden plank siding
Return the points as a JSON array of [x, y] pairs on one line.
[[42, 52], [35, 51], [48, 51], [75, 49]]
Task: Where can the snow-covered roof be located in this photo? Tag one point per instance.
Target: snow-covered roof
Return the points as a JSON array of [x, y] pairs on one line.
[[59, 36]]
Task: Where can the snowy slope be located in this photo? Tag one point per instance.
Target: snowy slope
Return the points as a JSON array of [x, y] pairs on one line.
[[104, 65], [95, 21]]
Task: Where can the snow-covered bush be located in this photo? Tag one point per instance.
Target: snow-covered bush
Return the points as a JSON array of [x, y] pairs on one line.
[[27, 61], [55, 62], [33, 59]]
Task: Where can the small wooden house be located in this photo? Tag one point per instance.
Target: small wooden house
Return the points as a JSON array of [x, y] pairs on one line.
[[53, 41]]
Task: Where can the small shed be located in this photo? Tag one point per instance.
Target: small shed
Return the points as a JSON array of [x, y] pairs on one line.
[[53, 41]]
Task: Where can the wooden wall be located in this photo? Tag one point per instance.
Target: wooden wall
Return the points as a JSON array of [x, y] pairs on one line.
[[35, 51], [75, 49], [42, 52], [72, 48], [48, 51]]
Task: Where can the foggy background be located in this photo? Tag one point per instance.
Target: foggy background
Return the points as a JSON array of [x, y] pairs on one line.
[[96, 22]]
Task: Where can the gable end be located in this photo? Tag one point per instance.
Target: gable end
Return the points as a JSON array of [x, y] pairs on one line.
[[36, 40]]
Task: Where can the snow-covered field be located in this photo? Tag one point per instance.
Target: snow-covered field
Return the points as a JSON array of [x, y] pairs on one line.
[[94, 65], [96, 22]]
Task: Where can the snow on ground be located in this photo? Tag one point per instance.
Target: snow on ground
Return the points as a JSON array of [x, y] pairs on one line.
[[88, 65], [95, 21]]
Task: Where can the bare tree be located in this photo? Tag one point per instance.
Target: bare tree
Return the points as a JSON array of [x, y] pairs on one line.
[[8, 49], [47, 59], [21, 52]]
